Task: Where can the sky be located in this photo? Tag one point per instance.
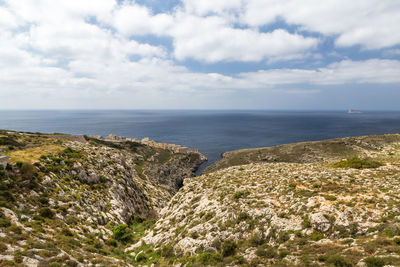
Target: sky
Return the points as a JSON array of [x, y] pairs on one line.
[[200, 54]]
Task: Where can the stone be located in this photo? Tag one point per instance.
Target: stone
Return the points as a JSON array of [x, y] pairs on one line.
[[4, 160], [319, 222]]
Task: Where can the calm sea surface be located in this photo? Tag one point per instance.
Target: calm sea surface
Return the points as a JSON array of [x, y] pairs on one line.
[[211, 132]]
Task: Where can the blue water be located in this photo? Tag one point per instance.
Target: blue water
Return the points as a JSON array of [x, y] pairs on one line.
[[211, 132]]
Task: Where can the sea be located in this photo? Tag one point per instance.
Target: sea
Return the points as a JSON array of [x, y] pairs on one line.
[[212, 132]]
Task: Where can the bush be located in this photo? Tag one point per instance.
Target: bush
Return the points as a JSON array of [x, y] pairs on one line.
[[392, 230], [27, 170], [397, 240], [3, 247], [4, 222], [338, 261], [242, 216], [240, 194], [330, 197], [46, 212], [374, 262], [256, 239], [306, 223], [357, 163], [229, 248], [208, 258], [317, 236], [283, 237], [121, 233], [283, 253], [167, 251], [16, 229], [269, 253], [141, 257]]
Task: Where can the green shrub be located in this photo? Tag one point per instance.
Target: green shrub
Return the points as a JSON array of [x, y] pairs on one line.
[[46, 212], [269, 253], [43, 200], [283, 253], [283, 237], [194, 235], [4, 221], [242, 216], [121, 233], [27, 170], [317, 236], [357, 163], [136, 219], [374, 262], [167, 251], [330, 198], [392, 230], [256, 239], [208, 258], [338, 261], [240, 194], [3, 247], [15, 229], [397, 241], [306, 223], [18, 258], [229, 248], [141, 257]]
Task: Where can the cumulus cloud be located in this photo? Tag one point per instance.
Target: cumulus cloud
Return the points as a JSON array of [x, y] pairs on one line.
[[134, 19], [344, 72], [105, 48], [214, 40], [369, 23]]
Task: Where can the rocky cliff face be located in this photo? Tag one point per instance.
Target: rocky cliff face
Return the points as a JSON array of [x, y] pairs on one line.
[[61, 200]]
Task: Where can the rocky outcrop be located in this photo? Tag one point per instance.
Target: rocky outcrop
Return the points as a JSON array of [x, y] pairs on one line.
[[4, 160]]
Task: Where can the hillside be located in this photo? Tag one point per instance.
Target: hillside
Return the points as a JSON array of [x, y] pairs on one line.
[[307, 152], [63, 196], [324, 213], [78, 201]]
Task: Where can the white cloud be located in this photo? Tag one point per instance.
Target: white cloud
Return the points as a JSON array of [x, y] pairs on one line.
[[211, 38], [215, 40], [67, 49], [133, 19], [372, 24], [205, 7], [347, 71]]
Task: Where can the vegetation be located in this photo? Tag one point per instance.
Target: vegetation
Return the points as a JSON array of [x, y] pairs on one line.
[[357, 163], [272, 213]]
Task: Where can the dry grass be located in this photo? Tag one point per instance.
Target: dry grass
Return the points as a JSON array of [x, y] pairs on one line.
[[33, 154]]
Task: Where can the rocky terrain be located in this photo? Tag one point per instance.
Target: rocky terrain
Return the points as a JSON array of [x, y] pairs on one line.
[[331, 212], [78, 201], [307, 152], [62, 198]]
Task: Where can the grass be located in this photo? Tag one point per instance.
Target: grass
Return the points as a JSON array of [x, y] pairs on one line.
[[357, 163], [33, 154]]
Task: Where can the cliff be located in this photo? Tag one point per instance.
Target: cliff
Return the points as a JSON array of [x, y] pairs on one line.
[[62, 197]]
